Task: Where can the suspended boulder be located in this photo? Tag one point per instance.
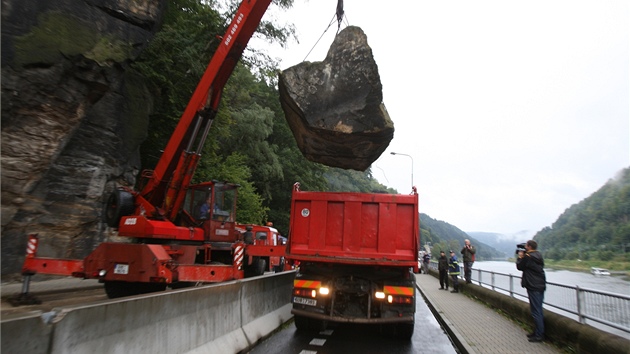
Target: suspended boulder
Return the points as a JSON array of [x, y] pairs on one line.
[[335, 107]]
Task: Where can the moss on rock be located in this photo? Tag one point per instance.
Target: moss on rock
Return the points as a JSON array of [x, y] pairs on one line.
[[58, 35]]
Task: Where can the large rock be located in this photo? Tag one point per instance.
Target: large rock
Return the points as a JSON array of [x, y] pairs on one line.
[[335, 107]]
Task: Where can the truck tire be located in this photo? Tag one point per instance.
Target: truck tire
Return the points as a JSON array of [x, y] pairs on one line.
[[404, 330], [398, 330], [120, 203], [308, 324], [301, 323]]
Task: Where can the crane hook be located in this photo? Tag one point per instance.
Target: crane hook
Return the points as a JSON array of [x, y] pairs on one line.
[[339, 14]]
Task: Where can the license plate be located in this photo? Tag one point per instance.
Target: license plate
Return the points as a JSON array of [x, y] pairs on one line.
[[121, 269], [304, 301]]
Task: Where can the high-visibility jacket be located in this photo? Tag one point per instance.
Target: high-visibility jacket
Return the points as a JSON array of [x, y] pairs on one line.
[[453, 266]]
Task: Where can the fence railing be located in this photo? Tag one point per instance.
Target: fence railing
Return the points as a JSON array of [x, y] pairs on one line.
[[606, 308]]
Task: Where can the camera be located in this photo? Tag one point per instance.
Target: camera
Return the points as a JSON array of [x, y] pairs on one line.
[[520, 248]]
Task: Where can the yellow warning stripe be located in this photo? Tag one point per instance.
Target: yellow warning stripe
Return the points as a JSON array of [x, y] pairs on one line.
[[310, 284], [398, 290]]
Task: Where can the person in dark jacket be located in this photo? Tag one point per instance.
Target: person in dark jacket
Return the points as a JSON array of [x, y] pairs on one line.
[[425, 262], [468, 256], [532, 265], [453, 269], [443, 269]]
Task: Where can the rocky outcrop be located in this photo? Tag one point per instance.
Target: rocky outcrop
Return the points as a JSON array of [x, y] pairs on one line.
[[335, 107], [73, 118]]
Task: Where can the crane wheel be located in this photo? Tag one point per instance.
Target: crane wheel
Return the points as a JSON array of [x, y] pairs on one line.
[[258, 266], [119, 204], [116, 289]]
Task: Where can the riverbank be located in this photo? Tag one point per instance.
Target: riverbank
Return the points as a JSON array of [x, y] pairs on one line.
[[615, 267], [585, 266]]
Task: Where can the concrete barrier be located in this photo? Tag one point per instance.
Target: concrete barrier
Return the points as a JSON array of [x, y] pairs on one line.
[[226, 317], [569, 333], [24, 333]]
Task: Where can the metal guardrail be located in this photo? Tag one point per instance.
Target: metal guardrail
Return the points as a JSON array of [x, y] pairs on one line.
[[606, 308]]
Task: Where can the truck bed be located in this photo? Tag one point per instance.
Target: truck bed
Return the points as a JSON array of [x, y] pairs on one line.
[[354, 228]]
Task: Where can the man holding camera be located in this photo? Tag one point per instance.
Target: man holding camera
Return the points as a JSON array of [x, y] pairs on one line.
[[468, 256], [531, 263]]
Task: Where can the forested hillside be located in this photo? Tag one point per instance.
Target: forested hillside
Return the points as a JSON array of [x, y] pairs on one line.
[[444, 236], [598, 227]]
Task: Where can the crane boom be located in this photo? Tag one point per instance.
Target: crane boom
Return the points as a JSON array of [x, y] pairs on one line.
[[167, 183]]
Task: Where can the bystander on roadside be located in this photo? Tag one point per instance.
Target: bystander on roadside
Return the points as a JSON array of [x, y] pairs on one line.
[[453, 270], [443, 270], [531, 263], [468, 256], [425, 262]]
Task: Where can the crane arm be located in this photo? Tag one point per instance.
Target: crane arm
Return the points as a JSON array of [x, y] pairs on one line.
[[201, 108]]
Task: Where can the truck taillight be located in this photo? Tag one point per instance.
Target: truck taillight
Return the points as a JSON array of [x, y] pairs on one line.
[[403, 300], [305, 292]]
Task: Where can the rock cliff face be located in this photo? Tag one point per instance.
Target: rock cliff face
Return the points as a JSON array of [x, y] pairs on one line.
[[73, 118]]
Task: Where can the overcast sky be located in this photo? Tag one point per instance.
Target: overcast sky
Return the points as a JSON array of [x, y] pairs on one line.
[[511, 111]]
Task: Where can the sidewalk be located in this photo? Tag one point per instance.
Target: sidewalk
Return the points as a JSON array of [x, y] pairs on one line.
[[474, 327]]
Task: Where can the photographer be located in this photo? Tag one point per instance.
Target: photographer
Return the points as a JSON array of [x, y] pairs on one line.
[[531, 263], [468, 256]]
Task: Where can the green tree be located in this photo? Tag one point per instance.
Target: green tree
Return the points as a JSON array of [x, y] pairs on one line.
[[597, 222]]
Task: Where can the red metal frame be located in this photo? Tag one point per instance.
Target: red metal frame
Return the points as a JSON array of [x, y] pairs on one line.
[[354, 228]]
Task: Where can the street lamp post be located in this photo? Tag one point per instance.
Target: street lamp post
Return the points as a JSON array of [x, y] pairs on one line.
[[409, 156]]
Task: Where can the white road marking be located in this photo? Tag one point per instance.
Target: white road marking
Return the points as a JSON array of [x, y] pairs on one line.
[[317, 341]]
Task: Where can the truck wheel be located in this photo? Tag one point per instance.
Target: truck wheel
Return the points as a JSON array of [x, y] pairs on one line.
[[308, 324], [119, 204], [301, 323], [404, 330], [398, 330]]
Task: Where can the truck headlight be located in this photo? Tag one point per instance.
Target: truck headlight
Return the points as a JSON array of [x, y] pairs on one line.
[[379, 295], [324, 291]]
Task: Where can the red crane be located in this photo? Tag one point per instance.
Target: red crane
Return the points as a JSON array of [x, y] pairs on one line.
[[176, 240]]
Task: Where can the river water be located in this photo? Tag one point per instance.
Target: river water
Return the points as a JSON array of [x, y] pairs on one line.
[[613, 284], [564, 296]]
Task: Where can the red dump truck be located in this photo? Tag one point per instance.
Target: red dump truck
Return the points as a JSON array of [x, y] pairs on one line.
[[357, 255]]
